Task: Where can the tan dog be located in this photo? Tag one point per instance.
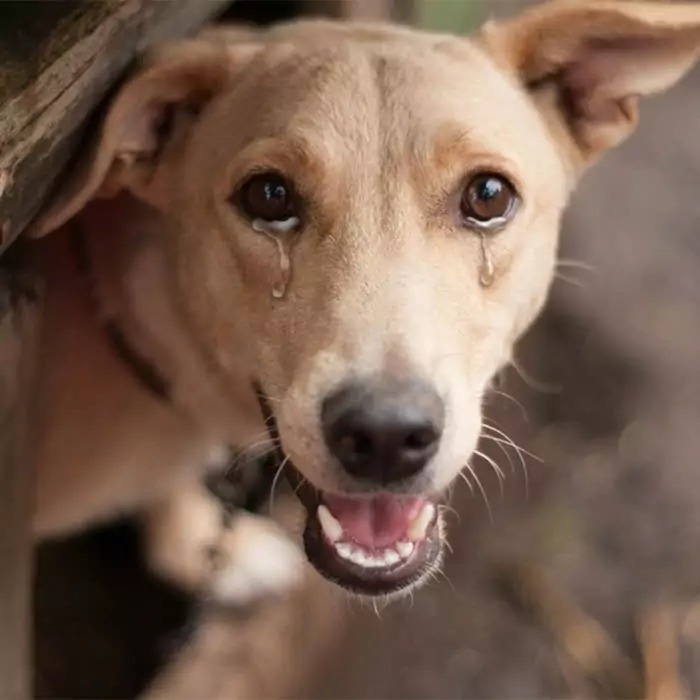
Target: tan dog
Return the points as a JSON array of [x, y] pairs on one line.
[[357, 221]]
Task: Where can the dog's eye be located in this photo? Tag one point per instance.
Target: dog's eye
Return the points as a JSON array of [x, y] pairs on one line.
[[268, 197], [488, 201]]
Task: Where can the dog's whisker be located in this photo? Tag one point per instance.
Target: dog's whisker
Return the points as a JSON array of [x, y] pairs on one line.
[[233, 461], [508, 440], [494, 465], [271, 399], [263, 434], [275, 479], [532, 382], [437, 573], [444, 508], [496, 468], [519, 451], [578, 264], [302, 481], [432, 576], [467, 481], [489, 424], [507, 443], [262, 442], [264, 447], [569, 280], [440, 572], [480, 486], [505, 394], [500, 444]]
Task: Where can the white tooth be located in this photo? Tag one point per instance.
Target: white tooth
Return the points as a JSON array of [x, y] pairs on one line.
[[358, 557], [344, 550], [332, 529], [366, 560], [418, 527], [405, 549], [391, 557]]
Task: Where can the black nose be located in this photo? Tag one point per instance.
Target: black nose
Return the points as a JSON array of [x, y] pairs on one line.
[[383, 431]]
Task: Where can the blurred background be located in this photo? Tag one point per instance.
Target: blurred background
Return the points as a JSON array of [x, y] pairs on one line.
[[581, 580]]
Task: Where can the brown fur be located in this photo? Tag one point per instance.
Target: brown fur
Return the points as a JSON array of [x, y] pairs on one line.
[[377, 126]]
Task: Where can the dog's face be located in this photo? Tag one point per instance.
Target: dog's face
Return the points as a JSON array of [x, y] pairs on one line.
[[391, 193], [364, 220]]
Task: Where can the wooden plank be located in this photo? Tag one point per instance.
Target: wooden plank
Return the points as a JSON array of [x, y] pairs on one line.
[[57, 61], [19, 324]]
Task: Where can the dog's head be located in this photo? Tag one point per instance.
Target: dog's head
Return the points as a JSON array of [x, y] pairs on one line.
[[365, 219]]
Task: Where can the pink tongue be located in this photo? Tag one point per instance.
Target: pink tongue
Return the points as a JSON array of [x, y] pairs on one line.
[[375, 522]]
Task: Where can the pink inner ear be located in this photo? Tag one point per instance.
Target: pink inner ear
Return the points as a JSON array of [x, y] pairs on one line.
[[605, 72], [586, 81], [139, 133]]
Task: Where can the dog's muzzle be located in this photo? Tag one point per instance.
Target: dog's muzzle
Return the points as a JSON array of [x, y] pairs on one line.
[[374, 544]]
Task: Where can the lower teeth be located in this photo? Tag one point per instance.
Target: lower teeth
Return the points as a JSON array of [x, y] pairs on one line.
[[405, 549], [387, 557], [333, 533]]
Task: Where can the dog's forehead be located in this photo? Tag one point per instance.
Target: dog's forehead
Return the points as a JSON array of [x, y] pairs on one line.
[[347, 77], [376, 93]]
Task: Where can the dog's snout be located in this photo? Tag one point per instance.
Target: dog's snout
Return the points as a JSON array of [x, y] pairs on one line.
[[383, 432]]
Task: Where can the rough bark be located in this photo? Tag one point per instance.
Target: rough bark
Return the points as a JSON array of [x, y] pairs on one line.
[[57, 61]]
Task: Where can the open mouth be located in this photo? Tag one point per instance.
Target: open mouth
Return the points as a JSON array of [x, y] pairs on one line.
[[372, 545]]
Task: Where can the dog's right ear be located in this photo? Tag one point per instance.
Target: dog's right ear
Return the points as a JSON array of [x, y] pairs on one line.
[[173, 85]]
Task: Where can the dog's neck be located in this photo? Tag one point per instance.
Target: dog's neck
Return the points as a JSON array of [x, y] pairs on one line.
[[120, 250], [145, 371]]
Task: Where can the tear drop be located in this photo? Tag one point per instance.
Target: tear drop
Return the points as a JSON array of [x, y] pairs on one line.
[[487, 272], [281, 233], [279, 289]]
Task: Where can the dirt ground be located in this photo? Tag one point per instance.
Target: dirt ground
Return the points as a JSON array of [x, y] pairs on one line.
[[611, 517]]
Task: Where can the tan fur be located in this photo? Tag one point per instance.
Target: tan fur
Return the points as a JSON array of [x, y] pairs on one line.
[[377, 126]]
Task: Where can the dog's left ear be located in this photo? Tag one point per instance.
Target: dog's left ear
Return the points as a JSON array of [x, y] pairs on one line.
[[588, 62]]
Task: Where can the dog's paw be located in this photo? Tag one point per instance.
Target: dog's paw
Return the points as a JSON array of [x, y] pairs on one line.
[[188, 543], [255, 559]]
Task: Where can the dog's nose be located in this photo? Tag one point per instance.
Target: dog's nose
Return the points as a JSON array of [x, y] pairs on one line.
[[383, 432]]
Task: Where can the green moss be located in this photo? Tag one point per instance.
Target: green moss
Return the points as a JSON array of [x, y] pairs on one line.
[[454, 16]]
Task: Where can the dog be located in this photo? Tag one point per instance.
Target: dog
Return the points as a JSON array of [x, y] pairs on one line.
[[321, 240]]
